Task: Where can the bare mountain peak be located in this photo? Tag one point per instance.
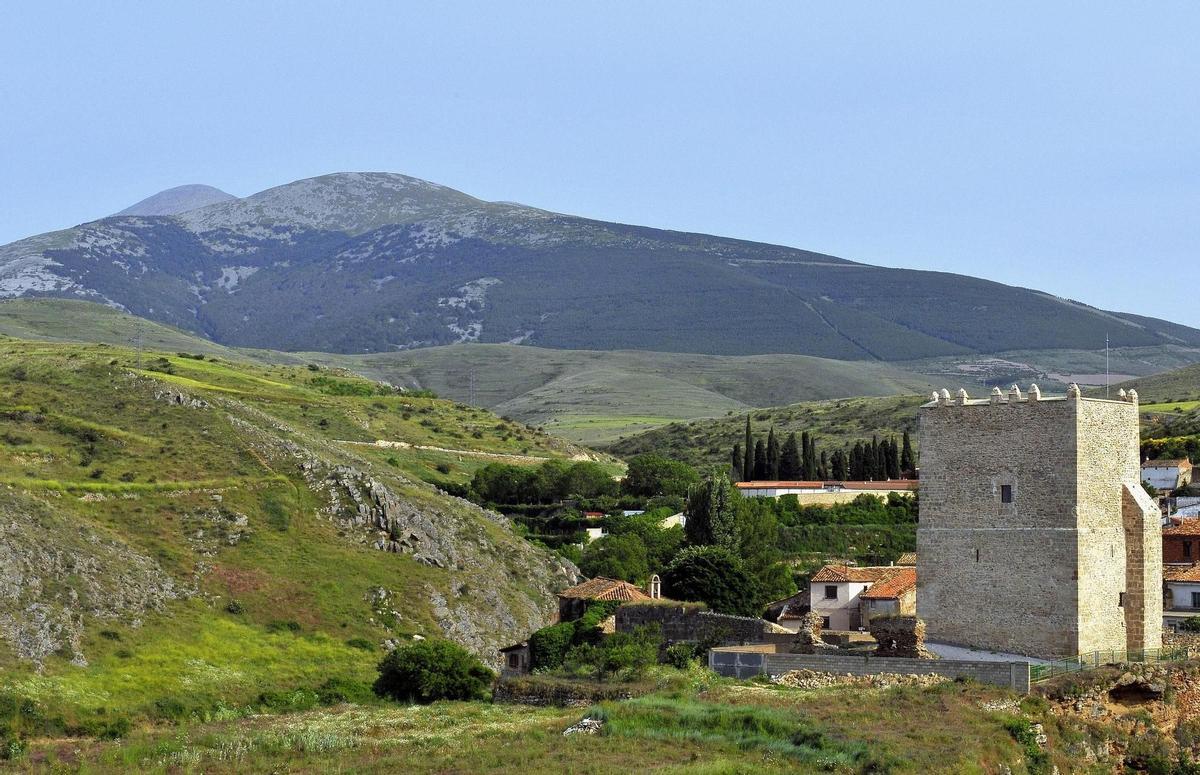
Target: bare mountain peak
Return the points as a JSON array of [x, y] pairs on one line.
[[177, 200]]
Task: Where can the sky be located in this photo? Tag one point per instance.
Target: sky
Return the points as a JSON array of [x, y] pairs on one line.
[[1053, 146]]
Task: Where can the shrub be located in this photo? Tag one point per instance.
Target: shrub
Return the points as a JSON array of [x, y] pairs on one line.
[[361, 643], [279, 626], [622, 653], [1191, 624], [681, 655], [235, 607], [338, 690], [432, 670], [549, 645]]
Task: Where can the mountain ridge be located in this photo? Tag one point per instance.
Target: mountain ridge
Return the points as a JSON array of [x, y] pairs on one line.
[[180, 199], [376, 262]]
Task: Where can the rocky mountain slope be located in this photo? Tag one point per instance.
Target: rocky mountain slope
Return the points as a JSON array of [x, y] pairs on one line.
[[183, 528], [375, 262], [178, 200]]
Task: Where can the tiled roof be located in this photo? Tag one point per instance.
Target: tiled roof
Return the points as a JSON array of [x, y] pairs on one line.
[[908, 558], [601, 588], [1181, 463], [1186, 527], [899, 583], [1188, 573], [868, 574], [893, 484]]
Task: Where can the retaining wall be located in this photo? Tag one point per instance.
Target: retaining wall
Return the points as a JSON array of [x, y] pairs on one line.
[[746, 663]]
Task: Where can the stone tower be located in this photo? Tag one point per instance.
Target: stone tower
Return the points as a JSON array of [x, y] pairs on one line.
[[1035, 535]]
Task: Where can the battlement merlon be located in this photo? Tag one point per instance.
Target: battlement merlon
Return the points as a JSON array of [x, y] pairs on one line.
[[1014, 396]]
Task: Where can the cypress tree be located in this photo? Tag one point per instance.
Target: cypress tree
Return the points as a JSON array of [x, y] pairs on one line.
[[772, 455], [789, 459], [811, 473], [893, 459], [823, 469], [760, 460], [748, 461], [858, 471], [908, 461], [840, 470], [736, 463]]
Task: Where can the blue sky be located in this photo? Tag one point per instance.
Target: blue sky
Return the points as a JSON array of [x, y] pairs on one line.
[[1054, 146]]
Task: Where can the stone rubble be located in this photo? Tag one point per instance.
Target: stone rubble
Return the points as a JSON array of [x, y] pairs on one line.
[[588, 726], [812, 679]]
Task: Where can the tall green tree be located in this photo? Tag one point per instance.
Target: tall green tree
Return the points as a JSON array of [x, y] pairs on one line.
[[789, 459], [748, 460], [650, 475], [839, 466], [893, 458], [908, 460], [772, 455], [713, 575], [760, 460], [736, 463], [712, 512]]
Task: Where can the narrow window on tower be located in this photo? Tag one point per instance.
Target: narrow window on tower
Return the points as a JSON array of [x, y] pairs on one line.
[[976, 555], [1006, 493]]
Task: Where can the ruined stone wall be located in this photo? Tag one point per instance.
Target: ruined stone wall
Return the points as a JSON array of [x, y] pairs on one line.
[[1047, 574], [690, 624]]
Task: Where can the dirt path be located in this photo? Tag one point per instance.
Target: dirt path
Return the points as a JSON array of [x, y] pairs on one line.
[[382, 443]]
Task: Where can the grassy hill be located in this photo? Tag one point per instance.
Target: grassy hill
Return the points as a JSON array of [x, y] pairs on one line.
[[184, 533], [835, 423]]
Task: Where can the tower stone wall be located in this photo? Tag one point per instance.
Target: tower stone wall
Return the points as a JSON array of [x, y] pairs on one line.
[[1035, 536]]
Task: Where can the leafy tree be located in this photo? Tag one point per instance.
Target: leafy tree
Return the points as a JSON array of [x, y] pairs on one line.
[[661, 544], [758, 547], [748, 458], [588, 480], [617, 557], [712, 511], [548, 646], [432, 670], [789, 459], [624, 653], [650, 475], [713, 575]]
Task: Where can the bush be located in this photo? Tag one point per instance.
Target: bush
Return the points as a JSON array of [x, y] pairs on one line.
[[681, 655], [622, 653], [712, 575], [549, 645], [338, 690], [1191, 624], [361, 643], [235, 607], [432, 670]]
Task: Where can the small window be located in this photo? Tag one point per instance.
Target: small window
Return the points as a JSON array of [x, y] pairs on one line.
[[514, 661], [1121, 600], [1196, 600], [825, 622], [1006, 493], [831, 592], [1187, 549]]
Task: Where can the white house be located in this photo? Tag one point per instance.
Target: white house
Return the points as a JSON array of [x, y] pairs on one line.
[[1182, 599], [825, 493], [839, 594], [1167, 475]]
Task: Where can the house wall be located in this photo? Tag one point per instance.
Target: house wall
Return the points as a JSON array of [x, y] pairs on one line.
[[1166, 478], [1173, 549], [819, 497], [1180, 594], [1053, 563], [843, 612]]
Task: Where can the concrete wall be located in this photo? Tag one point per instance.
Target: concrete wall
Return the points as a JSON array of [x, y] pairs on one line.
[[1044, 574], [741, 663]]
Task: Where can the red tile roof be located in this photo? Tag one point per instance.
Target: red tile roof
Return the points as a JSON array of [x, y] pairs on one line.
[[908, 558], [893, 484], [867, 574], [1187, 527], [1189, 573], [901, 582], [1183, 463], [601, 588]]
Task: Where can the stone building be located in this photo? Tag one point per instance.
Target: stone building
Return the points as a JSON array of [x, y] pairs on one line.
[[1035, 535]]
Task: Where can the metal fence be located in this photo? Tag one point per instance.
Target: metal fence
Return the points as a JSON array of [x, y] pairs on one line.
[[1101, 658]]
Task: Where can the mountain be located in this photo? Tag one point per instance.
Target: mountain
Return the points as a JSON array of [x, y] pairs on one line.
[[178, 200], [376, 262], [183, 533]]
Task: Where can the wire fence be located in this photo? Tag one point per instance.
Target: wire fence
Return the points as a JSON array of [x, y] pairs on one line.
[[1097, 659]]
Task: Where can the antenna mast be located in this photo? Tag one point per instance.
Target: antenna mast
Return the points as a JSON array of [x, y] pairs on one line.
[[1106, 370]]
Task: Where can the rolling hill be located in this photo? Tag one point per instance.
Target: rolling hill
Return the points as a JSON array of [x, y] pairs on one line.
[[182, 533], [376, 262]]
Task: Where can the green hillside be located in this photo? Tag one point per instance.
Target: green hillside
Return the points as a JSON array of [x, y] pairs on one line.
[[183, 536], [835, 423]]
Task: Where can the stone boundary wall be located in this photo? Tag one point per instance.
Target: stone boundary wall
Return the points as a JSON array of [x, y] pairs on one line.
[[689, 624], [745, 663]]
